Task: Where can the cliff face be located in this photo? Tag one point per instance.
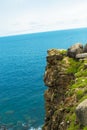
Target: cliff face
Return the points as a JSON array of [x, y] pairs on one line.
[[63, 76]]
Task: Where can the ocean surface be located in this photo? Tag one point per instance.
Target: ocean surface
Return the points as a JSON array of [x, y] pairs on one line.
[[22, 66]]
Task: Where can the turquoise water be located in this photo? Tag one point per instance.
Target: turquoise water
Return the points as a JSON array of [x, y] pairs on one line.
[[22, 65]]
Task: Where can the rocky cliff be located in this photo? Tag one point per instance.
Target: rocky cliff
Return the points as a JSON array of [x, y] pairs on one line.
[[66, 78]]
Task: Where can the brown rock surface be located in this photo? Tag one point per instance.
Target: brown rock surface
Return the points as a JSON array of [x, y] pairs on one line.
[[57, 79]]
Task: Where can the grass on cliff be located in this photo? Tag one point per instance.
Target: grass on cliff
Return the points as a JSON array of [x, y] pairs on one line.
[[78, 88], [73, 66]]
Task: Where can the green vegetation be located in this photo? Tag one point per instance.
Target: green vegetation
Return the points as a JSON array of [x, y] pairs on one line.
[[73, 66], [78, 88], [73, 126], [85, 128], [79, 94], [62, 51], [80, 82]]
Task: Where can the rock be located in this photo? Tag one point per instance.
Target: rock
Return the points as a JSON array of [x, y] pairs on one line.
[[81, 112], [81, 56], [52, 52], [74, 50], [85, 48], [54, 59], [57, 80]]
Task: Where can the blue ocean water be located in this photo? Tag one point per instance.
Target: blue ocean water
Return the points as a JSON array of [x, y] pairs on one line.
[[22, 66]]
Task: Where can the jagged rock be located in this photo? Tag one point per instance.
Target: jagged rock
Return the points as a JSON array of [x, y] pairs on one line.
[[55, 74], [54, 58], [81, 56], [53, 68], [74, 50], [57, 79], [85, 48], [81, 112], [54, 52]]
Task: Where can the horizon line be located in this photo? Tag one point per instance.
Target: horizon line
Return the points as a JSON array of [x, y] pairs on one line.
[[27, 33]]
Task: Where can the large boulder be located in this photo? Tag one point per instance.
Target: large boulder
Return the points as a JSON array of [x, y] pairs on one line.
[[85, 48], [81, 112], [74, 50], [81, 56]]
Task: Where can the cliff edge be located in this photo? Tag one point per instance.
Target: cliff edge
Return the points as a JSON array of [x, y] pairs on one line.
[[66, 96]]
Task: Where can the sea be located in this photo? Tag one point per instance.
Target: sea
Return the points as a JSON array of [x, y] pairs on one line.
[[22, 67]]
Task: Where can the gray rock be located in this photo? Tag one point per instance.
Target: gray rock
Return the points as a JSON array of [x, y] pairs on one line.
[[74, 50], [81, 56], [85, 48], [81, 112]]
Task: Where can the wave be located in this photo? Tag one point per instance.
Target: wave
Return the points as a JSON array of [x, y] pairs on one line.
[[32, 128]]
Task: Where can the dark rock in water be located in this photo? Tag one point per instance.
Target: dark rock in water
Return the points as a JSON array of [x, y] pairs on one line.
[[3, 127], [74, 50], [81, 112], [81, 56], [85, 48]]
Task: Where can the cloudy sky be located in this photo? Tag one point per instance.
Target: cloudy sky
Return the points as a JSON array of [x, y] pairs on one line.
[[29, 16]]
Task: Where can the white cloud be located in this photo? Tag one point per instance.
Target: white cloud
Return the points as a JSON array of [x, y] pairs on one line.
[[27, 17]]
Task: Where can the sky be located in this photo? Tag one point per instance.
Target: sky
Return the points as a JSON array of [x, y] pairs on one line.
[[31, 16]]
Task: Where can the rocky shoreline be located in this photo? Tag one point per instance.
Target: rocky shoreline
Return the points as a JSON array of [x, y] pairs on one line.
[[66, 96]]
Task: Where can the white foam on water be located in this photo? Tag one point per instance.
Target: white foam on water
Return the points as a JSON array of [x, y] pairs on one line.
[[32, 128]]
